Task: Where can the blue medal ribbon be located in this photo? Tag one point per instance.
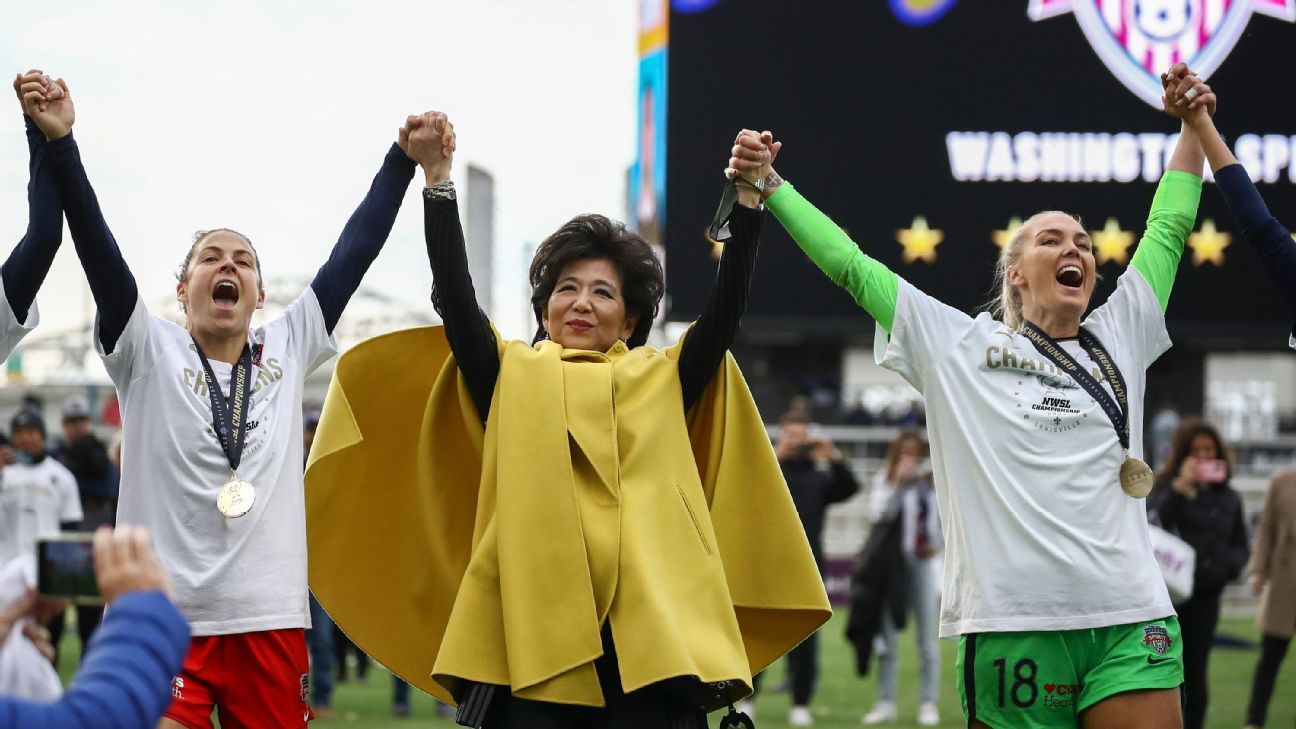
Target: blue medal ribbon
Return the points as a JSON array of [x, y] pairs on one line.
[[229, 419]]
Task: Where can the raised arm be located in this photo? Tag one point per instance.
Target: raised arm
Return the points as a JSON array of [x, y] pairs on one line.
[[873, 286], [110, 279], [363, 236], [432, 143], [25, 269], [714, 331], [1270, 240], [1174, 208]]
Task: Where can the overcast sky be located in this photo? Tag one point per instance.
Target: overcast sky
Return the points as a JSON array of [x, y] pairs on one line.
[[272, 117]]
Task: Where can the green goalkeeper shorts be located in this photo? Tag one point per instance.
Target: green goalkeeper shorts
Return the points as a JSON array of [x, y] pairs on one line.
[[1045, 679]]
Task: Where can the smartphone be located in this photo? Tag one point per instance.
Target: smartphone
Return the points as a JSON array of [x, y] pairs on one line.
[[1212, 471], [65, 568]]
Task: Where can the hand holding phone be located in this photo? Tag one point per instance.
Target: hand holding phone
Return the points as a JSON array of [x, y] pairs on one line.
[[65, 568], [1212, 470], [97, 568]]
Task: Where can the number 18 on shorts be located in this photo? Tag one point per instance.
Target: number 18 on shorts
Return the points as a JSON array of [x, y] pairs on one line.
[[1046, 678]]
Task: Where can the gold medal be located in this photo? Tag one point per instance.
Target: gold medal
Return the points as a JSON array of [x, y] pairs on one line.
[[1136, 477], [236, 498]]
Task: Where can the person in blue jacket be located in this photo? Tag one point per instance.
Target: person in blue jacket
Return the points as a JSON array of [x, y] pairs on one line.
[[125, 679]]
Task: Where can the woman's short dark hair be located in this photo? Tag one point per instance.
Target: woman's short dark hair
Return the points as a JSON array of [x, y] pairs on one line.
[[595, 237]]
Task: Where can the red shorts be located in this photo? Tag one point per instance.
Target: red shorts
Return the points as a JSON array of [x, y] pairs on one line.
[[252, 679]]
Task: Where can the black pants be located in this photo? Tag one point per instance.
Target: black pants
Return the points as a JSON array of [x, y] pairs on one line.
[[1197, 621], [1272, 651], [803, 671], [651, 707], [342, 646]]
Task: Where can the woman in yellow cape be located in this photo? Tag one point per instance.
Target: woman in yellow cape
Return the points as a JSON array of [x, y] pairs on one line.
[[583, 532]]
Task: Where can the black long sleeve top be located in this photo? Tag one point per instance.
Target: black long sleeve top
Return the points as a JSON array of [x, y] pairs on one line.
[[114, 288], [1213, 523], [1267, 237], [473, 343], [25, 269]]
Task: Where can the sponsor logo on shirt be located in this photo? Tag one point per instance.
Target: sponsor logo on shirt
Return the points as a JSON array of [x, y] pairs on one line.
[[177, 687]]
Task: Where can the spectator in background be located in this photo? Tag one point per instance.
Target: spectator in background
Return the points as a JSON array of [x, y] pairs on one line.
[[1273, 572], [38, 496], [319, 637], [126, 680], [818, 477], [1193, 499], [96, 477], [904, 488]]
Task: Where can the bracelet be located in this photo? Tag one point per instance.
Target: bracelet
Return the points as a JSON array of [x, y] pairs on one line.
[[444, 190]]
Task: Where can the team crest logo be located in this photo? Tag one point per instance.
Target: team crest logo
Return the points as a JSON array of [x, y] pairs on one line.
[[1157, 638], [1138, 39]]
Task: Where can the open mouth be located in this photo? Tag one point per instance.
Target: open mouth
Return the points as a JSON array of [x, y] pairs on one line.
[[225, 294], [1070, 276]]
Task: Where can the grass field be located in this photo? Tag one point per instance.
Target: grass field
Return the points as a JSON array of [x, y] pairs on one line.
[[843, 697]]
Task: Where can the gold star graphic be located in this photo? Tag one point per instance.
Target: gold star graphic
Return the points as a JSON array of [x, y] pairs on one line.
[[1112, 244], [919, 241], [1003, 236], [1208, 244]]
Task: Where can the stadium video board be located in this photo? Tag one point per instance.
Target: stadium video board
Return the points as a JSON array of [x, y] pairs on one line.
[[925, 127]]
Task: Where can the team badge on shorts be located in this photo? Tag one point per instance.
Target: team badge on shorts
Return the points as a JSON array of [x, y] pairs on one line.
[[1157, 638], [1138, 39], [305, 688]]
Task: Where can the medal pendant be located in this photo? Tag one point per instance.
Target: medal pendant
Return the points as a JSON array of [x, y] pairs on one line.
[[237, 496], [1136, 478]]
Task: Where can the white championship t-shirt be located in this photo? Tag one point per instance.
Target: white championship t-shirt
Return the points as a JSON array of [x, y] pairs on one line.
[[34, 499], [1038, 534], [230, 575], [11, 330]]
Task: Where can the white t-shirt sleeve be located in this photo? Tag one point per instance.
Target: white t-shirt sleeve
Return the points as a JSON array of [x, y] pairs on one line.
[[309, 341], [69, 497], [11, 330], [923, 333], [1133, 314], [126, 362]]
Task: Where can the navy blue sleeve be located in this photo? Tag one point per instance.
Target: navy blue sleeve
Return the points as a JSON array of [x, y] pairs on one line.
[[125, 678], [1267, 237], [25, 269], [713, 333], [110, 279], [363, 237], [455, 300]]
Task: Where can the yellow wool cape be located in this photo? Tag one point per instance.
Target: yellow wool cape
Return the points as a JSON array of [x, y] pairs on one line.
[[447, 551]]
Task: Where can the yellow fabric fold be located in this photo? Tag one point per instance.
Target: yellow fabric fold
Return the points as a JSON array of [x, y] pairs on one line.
[[450, 552]]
